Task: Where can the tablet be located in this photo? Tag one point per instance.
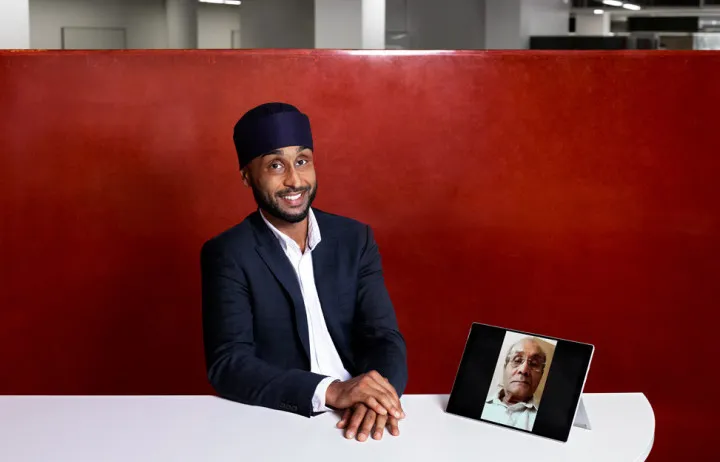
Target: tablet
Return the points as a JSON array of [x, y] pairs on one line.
[[520, 380]]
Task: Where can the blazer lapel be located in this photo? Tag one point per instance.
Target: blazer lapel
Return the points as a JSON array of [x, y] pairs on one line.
[[273, 256], [324, 270], [325, 267]]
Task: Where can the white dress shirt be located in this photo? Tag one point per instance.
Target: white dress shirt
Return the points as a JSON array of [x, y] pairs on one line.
[[518, 415], [324, 358]]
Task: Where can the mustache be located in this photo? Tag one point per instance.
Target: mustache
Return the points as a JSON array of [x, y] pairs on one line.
[[285, 192]]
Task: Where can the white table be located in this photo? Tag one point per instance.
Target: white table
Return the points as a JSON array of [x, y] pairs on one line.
[[208, 429]]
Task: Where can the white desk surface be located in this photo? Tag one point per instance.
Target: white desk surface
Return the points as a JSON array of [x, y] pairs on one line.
[[208, 429]]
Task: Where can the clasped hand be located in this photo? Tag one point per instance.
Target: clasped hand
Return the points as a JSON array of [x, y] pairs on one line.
[[370, 403]]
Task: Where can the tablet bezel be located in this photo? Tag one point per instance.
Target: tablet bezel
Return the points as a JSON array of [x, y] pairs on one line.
[[577, 394]]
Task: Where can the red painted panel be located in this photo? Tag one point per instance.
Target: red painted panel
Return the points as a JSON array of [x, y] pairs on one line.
[[572, 194]]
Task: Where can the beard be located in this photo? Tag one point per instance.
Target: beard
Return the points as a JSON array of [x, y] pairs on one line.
[[271, 203]]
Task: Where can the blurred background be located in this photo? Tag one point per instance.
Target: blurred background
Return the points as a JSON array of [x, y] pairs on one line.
[[360, 24]]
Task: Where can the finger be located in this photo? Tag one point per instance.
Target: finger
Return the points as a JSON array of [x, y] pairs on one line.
[[393, 425], [382, 384], [385, 400], [394, 394], [344, 420], [380, 426], [385, 383], [355, 421], [367, 425], [372, 402], [372, 387]]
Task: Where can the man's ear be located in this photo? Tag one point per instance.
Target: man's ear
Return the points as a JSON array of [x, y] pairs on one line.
[[245, 175]]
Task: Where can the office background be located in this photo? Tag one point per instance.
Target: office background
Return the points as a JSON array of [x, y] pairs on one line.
[[570, 194]]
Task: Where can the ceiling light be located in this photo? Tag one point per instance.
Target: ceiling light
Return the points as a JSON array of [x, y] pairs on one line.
[[599, 12], [222, 2], [612, 2], [630, 6]]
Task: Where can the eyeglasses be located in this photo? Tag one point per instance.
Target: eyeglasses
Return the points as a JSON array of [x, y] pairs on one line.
[[533, 364]]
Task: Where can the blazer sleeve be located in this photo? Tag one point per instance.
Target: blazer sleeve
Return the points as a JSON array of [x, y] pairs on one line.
[[381, 346], [233, 369]]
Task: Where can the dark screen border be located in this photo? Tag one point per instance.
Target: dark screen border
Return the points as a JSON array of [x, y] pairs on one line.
[[563, 387]]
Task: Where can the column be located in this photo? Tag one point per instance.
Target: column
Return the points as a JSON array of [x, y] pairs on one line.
[[277, 24], [509, 24], [502, 24], [350, 24], [14, 24], [373, 24], [182, 23]]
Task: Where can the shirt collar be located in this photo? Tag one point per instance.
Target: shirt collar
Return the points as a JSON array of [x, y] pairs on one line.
[[313, 238], [495, 398]]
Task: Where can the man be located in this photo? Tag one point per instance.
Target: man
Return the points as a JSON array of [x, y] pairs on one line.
[[514, 404], [296, 315]]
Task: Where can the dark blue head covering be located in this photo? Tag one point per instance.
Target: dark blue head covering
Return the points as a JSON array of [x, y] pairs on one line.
[[268, 127]]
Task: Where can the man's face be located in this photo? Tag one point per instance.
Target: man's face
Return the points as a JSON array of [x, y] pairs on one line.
[[522, 374], [283, 182]]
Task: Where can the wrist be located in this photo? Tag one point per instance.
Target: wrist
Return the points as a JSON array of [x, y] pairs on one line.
[[319, 396], [331, 393]]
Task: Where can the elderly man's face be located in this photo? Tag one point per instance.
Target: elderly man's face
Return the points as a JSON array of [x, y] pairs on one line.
[[523, 371]]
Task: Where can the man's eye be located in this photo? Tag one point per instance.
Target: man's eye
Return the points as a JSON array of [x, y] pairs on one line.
[[302, 162], [276, 165]]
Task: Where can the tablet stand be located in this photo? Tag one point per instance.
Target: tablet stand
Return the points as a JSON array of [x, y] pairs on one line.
[[581, 418]]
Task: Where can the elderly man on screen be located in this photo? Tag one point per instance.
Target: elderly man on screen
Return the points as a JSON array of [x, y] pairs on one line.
[[514, 404]]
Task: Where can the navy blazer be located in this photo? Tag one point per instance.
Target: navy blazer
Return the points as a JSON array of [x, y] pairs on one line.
[[254, 322]]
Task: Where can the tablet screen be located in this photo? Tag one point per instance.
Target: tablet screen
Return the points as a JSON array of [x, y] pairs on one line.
[[520, 380]]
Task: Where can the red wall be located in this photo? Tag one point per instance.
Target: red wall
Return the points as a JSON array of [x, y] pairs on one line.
[[571, 194]]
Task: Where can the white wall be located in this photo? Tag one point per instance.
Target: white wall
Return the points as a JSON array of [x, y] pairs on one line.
[[510, 23], [544, 17], [437, 25], [350, 24], [338, 24], [144, 20], [277, 24], [14, 24], [215, 25], [592, 24]]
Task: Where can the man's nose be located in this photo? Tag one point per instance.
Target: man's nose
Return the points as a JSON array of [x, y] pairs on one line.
[[524, 369], [292, 179]]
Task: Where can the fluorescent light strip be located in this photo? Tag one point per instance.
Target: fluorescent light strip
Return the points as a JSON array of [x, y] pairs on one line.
[[612, 2], [222, 2], [631, 6], [599, 12]]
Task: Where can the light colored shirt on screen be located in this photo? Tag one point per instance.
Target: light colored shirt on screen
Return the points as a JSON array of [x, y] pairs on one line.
[[324, 358], [518, 415]]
